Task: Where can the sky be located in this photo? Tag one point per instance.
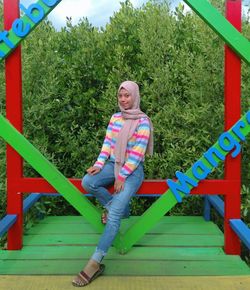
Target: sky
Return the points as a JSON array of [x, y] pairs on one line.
[[98, 12]]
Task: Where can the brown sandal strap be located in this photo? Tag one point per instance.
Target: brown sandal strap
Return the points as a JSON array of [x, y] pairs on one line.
[[83, 274]]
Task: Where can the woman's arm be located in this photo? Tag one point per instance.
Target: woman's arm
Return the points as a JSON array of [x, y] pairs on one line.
[[106, 147]]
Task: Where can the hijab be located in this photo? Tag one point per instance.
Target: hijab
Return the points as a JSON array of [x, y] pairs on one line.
[[132, 117]]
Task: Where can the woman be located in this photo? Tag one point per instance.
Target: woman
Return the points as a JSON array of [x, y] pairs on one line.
[[129, 136]]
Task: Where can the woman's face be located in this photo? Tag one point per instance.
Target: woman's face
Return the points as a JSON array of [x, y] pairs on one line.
[[125, 99]]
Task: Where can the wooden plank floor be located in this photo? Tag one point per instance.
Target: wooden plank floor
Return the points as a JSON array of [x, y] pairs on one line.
[[176, 246]]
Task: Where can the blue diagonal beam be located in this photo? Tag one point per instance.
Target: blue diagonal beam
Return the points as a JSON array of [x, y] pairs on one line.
[[6, 223], [242, 231]]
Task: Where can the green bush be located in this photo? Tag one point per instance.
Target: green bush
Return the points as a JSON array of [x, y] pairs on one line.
[[70, 80]]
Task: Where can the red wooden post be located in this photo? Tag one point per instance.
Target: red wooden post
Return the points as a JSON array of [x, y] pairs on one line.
[[13, 74], [232, 114]]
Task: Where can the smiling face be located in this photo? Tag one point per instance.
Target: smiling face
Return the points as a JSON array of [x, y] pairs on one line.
[[125, 99]]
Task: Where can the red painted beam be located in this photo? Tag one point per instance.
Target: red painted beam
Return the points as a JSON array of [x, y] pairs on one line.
[[13, 75], [232, 114], [148, 186]]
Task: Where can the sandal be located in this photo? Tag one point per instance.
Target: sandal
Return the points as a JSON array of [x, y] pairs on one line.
[[104, 217], [82, 279]]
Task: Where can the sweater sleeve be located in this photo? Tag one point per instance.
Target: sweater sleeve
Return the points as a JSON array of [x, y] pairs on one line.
[[106, 147], [137, 152]]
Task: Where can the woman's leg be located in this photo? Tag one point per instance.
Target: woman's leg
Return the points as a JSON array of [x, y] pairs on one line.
[[96, 184], [117, 208]]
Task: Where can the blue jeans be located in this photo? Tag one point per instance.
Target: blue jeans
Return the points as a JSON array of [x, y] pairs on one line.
[[117, 205]]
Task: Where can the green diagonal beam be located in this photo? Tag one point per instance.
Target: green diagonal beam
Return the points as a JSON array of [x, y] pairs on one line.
[[220, 25], [241, 46], [168, 200], [16, 40], [34, 157], [52, 175]]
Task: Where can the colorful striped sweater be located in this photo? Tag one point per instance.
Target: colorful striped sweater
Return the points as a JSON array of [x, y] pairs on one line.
[[136, 147]]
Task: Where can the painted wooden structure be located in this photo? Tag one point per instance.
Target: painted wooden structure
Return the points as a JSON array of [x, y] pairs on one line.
[[54, 181]]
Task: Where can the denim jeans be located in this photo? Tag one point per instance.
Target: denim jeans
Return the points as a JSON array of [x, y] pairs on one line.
[[117, 205]]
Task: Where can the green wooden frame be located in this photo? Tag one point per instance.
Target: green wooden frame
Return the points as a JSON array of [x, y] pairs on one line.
[[80, 202], [220, 25], [52, 175]]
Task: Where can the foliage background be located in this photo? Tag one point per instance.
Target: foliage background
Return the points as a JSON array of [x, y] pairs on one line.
[[70, 79]]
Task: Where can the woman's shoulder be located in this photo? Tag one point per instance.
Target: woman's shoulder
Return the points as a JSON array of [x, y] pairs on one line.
[[144, 121], [116, 116]]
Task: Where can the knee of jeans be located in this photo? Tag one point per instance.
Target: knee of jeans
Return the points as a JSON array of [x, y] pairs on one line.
[[115, 213], [87, 184]]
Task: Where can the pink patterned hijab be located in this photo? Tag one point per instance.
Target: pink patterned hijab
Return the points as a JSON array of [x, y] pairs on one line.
[[131, 117]]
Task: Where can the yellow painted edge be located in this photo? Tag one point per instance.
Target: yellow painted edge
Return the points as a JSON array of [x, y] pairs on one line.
[[13, 282]]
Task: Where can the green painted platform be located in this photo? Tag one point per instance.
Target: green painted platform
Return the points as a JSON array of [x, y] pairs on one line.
[[176, 246]]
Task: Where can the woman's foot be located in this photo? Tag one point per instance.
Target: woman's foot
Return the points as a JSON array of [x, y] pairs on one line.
[[104, 217], [91, 271]]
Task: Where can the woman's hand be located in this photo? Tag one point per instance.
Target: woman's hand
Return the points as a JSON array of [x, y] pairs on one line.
[[118, 186], [93, 170]]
